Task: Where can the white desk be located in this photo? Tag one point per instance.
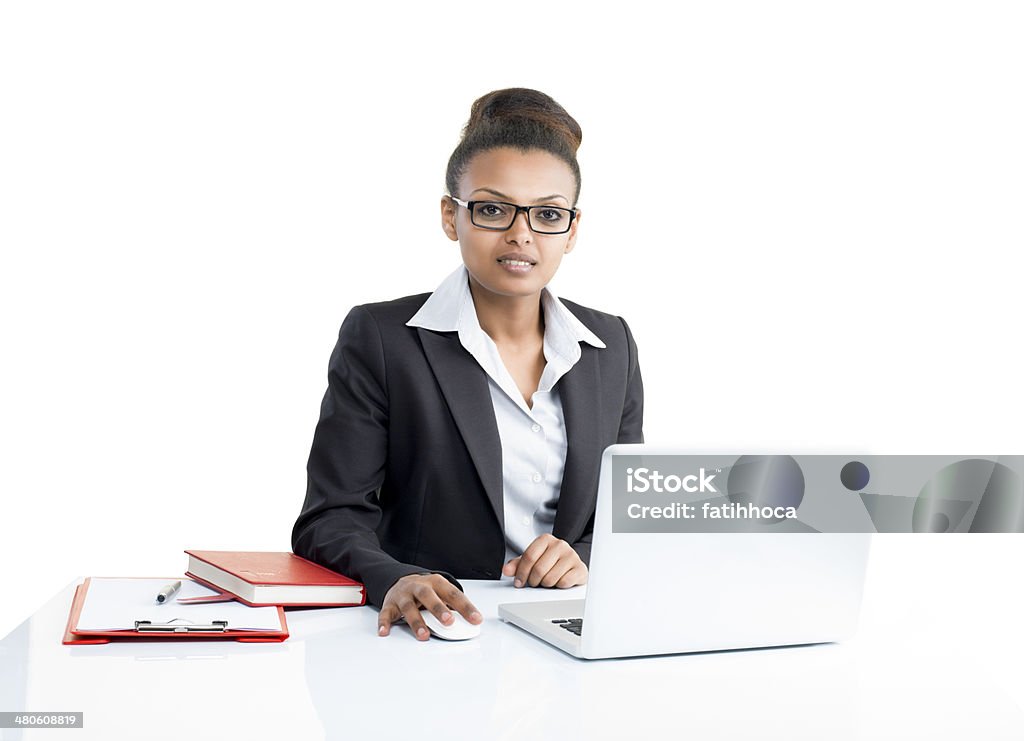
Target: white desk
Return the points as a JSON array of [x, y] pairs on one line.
[[926, 664]]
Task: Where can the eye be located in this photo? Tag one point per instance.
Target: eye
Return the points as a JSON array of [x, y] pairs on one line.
[[490, 209], [551, 214]]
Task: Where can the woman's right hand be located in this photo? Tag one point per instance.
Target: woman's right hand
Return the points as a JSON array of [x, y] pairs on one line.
[[430, 591]]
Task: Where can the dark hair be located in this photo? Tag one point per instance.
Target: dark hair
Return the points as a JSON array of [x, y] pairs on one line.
[[521, 118]]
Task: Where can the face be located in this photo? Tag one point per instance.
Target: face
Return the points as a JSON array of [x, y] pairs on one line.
[[532, 178]]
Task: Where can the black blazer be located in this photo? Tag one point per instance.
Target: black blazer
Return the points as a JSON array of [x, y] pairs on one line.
[[405, 474]]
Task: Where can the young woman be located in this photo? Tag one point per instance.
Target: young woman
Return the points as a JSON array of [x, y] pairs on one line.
[[462, 430]]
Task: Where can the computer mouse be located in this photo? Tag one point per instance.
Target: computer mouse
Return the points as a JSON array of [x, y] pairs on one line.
[[460, 629]]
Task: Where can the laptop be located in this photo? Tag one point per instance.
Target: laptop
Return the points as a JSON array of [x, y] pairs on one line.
[[653, 593]]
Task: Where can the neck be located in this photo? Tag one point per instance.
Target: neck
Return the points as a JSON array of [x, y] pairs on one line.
[[515, 320]]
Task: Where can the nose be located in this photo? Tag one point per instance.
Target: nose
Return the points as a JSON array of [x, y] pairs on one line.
[[520, 231]]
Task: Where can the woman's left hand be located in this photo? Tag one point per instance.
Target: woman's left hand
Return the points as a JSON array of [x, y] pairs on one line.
[[547, 562]]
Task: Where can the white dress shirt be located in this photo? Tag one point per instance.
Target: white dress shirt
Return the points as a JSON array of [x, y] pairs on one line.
[[533, 441]]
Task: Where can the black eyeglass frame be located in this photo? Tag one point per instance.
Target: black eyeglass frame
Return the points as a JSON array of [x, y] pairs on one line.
[[468, 205]]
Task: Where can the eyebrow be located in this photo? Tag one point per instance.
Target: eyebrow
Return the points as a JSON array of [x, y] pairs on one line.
[[539, 200]]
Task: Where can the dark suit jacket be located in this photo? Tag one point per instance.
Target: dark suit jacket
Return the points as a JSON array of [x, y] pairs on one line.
[[405, 474]]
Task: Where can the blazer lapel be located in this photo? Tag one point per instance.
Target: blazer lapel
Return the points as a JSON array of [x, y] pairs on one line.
[[580, 391], [464, 385]]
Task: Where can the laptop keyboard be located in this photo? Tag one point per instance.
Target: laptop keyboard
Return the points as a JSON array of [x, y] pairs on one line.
[[573, 625]]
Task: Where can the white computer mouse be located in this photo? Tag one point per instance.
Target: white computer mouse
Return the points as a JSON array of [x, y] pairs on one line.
[[460, 629]]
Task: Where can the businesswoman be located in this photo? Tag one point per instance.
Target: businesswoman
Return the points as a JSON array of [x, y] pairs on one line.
[[462, 430]]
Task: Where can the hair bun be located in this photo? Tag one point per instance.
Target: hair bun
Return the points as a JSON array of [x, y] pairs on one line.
[[527, 107]]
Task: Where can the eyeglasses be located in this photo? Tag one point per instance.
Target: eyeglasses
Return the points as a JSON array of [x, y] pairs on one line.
[[499, 216]]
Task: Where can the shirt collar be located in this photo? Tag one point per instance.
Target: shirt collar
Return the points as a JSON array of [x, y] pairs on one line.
[[450, 308]]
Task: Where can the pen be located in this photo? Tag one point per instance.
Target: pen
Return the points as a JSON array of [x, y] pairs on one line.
[[167, 592]]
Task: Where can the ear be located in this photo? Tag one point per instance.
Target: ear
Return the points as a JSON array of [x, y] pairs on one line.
[[448, 208], [571, 242]]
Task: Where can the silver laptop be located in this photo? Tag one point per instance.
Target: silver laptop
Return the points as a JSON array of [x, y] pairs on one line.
[[680, 592]]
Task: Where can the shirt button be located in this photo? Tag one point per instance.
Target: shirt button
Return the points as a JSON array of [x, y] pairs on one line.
[[536, 478], [535, 428], [526, 520]]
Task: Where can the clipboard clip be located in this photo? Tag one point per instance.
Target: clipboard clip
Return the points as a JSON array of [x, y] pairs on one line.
[[172, 626]]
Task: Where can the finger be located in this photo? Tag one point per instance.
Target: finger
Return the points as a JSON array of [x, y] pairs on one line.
[[430, 600], [574, 577], [553, 554], [458, 600], [533, 552], [509, 569], [388, 614], [562, 567], [411, 612]]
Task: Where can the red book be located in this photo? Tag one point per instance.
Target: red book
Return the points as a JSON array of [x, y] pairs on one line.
[[260, 578]]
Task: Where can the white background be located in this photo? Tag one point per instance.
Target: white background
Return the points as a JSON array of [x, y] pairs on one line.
[[810, 214]]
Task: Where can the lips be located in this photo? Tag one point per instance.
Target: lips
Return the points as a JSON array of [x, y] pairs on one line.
[[516, 257]]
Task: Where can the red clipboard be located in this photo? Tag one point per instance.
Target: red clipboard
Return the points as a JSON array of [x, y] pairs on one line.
[[75, 637]]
